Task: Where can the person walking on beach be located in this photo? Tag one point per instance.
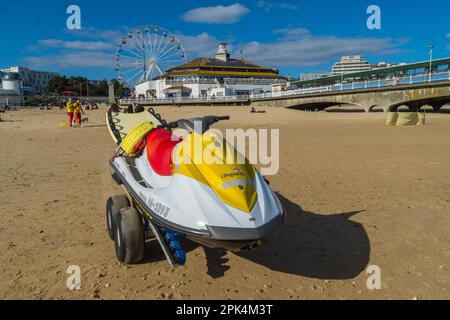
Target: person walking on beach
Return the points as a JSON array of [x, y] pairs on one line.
[[130, 109], [115, 107], [78, 109], [139, 108], [70, 106]]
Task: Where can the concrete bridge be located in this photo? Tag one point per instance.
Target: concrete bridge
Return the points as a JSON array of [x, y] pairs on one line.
[[388, 98], [413, 96]]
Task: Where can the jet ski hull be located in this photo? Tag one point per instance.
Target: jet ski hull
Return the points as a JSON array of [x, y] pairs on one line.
[[228, 238]]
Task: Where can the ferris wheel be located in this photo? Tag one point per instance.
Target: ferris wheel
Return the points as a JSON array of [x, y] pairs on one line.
[[146, 53]]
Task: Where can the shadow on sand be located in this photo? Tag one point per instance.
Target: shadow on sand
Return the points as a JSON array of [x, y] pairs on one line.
[[309, 244], [94, 125], [338, 110], [9, 120]]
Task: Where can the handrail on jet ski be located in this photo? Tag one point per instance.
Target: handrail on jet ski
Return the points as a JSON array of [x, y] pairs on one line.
[[190, 124]]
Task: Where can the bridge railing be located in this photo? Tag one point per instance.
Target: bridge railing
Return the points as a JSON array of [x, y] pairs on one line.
[[176, 100], [378, 83]]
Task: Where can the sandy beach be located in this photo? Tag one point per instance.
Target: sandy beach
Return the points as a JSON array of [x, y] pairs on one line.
[[357, 193]]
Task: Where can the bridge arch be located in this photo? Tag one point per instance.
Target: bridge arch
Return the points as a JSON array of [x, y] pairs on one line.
[[445, 108], [323, 106], [427, 108], [376, 108], [436, 102], [346, 107], [403, 108]]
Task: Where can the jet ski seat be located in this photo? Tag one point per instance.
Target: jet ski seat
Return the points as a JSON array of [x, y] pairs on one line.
[[160, 144]]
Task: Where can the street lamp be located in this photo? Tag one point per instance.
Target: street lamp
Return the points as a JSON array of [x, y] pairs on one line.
[[431, 46], [87, 91]]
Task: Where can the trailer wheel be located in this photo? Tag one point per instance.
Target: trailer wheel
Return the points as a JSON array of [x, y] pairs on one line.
[[129, 236], [113, 206]]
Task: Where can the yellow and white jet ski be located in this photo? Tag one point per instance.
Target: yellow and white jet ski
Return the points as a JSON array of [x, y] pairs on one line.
[[172, 192]]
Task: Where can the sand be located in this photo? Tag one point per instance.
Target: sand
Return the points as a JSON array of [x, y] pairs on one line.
[[358, 194]]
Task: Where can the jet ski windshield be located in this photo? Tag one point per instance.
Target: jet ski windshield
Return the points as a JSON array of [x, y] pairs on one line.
[[198, 125]]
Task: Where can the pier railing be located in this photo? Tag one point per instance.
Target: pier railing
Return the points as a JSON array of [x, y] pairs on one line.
[[176, 100], [368, 84]]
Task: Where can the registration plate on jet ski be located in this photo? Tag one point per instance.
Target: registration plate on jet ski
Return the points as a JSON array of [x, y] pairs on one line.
[[158, 207]]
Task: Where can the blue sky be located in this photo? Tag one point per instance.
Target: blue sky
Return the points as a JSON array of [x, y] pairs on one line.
[[292, 35]]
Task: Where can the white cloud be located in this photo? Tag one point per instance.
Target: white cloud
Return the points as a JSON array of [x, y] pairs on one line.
[[77, 45], [72, 59], [199, 45], [292, 33], [268, 5], [216, 15], [101, 53], [99, 34], [299, 48], [95, 49], [294, 47], [288, 6]]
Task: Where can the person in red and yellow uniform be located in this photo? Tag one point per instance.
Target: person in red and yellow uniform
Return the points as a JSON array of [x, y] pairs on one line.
[[78, 109], [69, 106]]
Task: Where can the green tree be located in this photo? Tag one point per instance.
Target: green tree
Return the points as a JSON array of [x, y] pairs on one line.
[[101, 89], [59, 84], [119, 88]]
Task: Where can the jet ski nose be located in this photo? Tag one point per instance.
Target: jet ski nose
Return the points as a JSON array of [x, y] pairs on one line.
[[221, 168], [240, 193]]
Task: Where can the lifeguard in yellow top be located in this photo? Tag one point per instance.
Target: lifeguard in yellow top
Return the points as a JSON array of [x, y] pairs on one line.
[[77, 110], [70, 108]]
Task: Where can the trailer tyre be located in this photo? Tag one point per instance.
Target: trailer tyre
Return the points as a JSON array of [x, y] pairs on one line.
[[113, 206], [129, 236]]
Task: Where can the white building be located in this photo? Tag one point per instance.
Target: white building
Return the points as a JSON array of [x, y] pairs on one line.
[[10, 89], [211, 77], [313, 75], [33, 82], [349, 64], [383, 64]]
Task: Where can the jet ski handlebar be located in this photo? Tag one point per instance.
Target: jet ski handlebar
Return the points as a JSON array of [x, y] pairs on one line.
[[223, 118], [170, 125], [189, 124]]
